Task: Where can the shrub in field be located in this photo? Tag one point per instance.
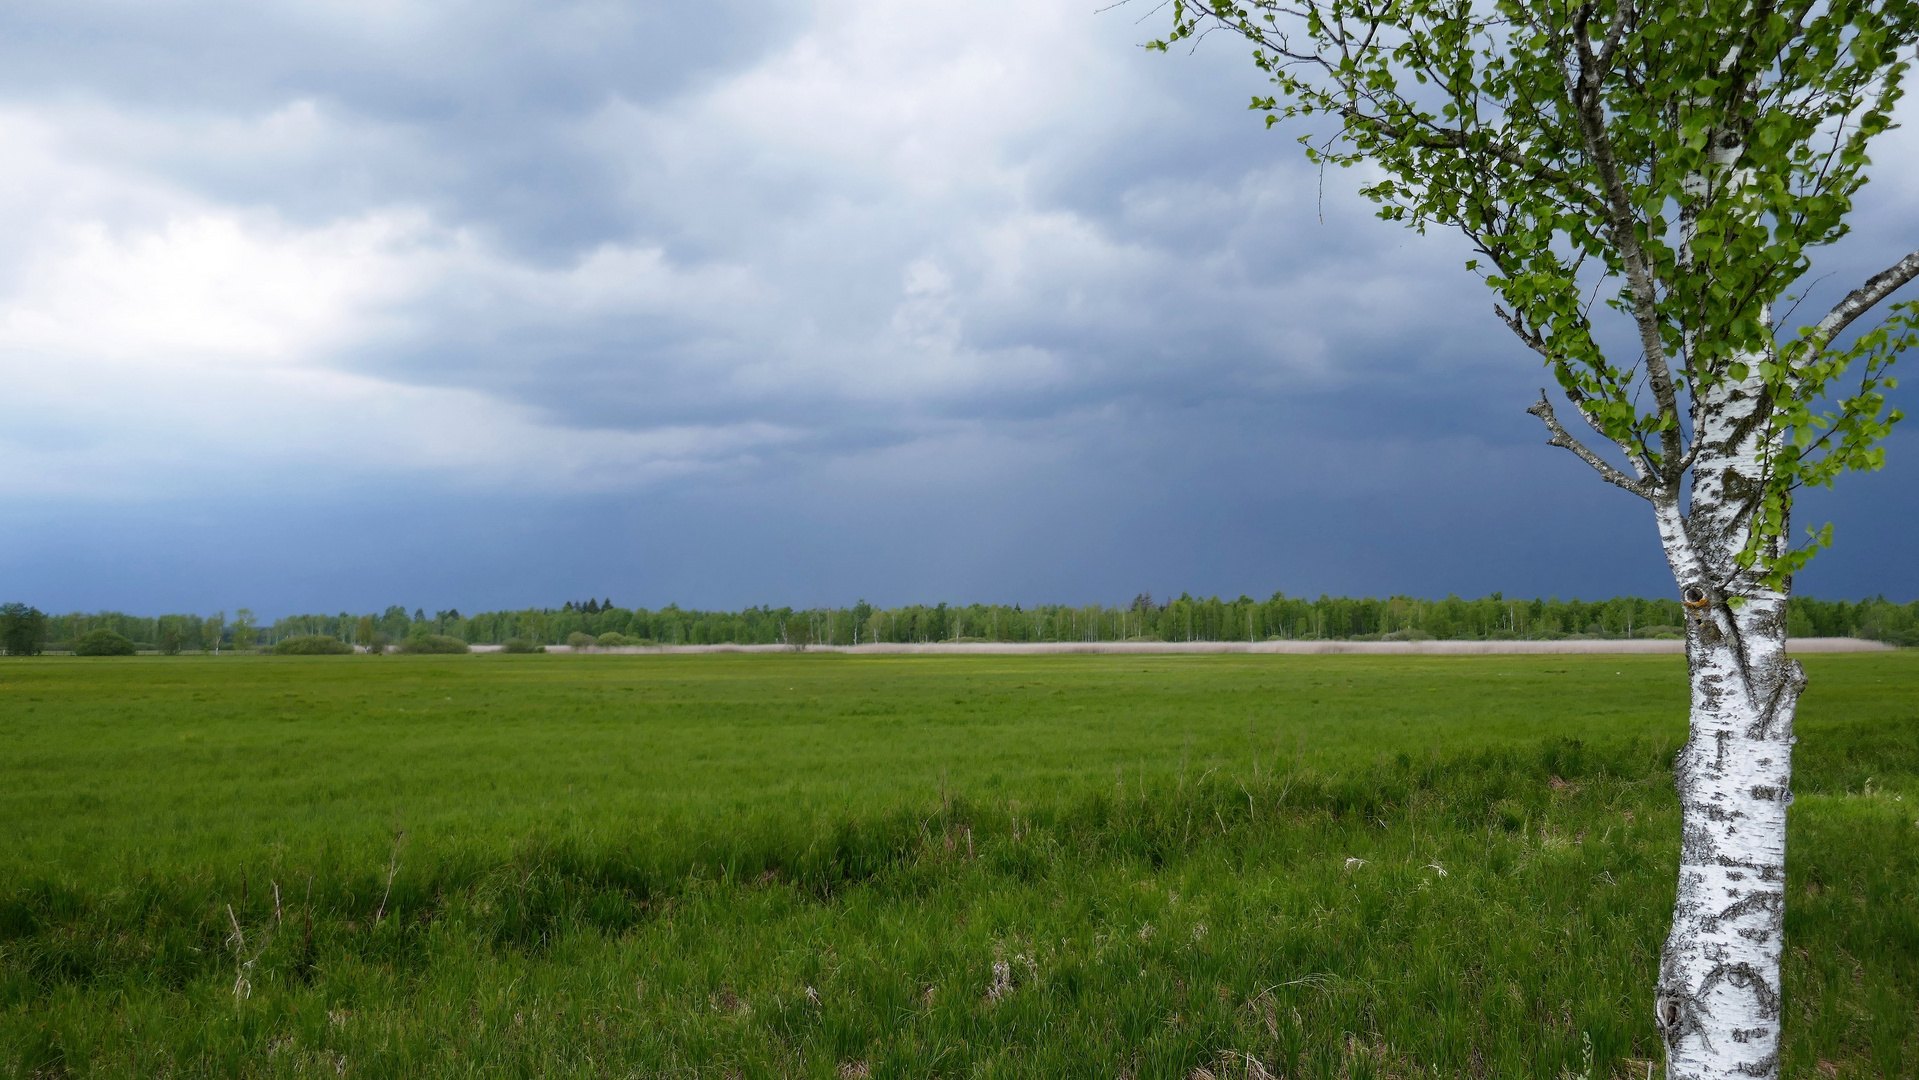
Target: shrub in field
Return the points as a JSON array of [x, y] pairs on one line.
[[21, 628], [520, 645], [102, 642], [577, 640], [313, 645], [434, 643], [613, 639]]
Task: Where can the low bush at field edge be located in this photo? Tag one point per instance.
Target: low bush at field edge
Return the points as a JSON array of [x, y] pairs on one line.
[[103, 642], [434, 643], [313, 645]]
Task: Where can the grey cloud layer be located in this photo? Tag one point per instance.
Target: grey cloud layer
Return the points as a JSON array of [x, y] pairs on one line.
[[854, 217], [848, 247]]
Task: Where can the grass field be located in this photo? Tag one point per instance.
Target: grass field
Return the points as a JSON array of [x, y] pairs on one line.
[[829, 866]]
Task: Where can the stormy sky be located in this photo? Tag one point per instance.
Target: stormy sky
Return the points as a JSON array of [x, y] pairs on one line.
[[331, 305]]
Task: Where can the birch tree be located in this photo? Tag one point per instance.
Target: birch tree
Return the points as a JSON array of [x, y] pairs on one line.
[[1681, 163]]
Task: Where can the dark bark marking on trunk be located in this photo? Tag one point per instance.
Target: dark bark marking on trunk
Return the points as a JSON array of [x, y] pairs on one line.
[[1673, 1014], [1772, 902], [1696, 845], [1766, 871], [1789, 680], [1745, 977]]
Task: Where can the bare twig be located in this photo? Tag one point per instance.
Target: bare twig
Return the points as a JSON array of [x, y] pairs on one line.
[[1543, 409]]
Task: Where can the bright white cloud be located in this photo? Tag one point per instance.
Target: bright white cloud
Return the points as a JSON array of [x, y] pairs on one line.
[[152, 340]]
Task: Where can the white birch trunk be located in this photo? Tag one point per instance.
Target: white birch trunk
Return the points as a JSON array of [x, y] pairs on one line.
[[1717, 1003]]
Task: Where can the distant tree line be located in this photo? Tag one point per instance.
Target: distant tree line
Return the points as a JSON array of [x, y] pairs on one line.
[[24, 629], [1185, 618]]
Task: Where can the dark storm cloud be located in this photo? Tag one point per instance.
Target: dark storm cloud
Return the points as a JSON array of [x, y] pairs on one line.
[[742, 299]]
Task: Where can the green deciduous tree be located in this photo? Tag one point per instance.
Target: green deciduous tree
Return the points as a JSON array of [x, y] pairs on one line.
[[1681, 162], [22, 629], [245, 629], [365, 630], [797, 634]]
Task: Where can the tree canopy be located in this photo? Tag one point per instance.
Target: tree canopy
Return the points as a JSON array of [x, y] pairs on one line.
[[1681, 161]]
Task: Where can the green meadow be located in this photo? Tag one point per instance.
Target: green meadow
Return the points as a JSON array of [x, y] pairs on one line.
[[848, 867]]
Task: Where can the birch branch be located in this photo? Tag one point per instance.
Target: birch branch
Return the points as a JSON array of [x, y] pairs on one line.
[[1543, 408], [1641, 465], [1622, 219], [1861, 300]]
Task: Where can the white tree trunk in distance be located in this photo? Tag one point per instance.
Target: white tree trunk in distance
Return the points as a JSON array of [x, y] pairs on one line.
[[1718, 1002]]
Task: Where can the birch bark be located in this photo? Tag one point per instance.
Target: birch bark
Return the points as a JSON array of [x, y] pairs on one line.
[[1717, 1002]]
